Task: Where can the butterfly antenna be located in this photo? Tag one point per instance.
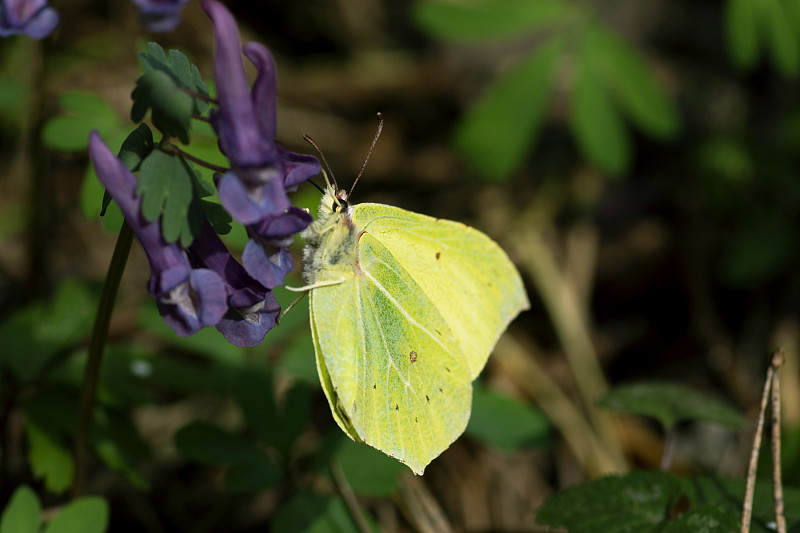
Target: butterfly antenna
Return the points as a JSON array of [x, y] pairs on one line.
[[374, 142], [320, 189], [313, 143]]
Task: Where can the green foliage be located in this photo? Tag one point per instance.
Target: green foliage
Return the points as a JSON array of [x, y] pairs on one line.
[[504, 422], [23, 515], [610, 81], [670, 404], [82, 112], [644, 502], [84, 515], [171, 189], [23, 512], [754, 25], [50, 461], [499, 129], [163, 89]]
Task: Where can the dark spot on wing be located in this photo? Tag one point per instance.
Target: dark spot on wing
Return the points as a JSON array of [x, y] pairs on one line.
[[447, 369], [373, 386], [437, 331], [413, 356], [415, 420], [396, 407], [438, 255], [427, 399], [440, 389]]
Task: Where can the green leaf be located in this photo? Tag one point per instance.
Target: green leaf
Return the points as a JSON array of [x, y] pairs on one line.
[[163, 87], [369, 471], [171, 107], [500, 129], [217, 216], [636, 502], [23, 512], [782, 38], [741, 31], [168, 187], [211, 445], [630, 79], [481, 20], [49, 460], [670, 404], [505, 422], [82, 113], [595, 123], [704, 519], [84, 515]]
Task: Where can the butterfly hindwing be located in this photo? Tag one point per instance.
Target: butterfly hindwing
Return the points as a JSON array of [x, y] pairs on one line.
[[394, 367]]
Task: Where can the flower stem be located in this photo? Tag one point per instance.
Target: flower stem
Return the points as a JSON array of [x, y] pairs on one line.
[[96, 345], [172, 149]]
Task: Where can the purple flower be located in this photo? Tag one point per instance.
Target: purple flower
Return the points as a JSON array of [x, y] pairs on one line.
[[255, 187], [32, 17], [160, 15], [253, 310], [265, 256], [188, 298]]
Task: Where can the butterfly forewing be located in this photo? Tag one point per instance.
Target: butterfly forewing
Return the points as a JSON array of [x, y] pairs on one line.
[[474, 285]]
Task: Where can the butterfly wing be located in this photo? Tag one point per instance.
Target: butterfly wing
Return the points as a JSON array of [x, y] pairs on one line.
[[391, 367], [470, 279]]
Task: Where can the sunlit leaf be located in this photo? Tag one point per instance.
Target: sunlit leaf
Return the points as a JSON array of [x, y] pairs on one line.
[[626, 73], [595, 122], [670, 404], [84, 515], [502, 127], [23, 512], [164, 88], [479, 20]]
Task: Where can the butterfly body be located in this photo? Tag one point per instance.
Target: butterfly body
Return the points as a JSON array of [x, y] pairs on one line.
[[405, 310]]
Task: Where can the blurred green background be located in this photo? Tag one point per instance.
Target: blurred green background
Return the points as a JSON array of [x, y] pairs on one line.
[[638, 160]]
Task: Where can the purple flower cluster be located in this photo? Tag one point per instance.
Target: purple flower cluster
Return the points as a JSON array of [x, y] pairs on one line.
[[204, 285], [254, 190], [160, 15], [34, 18]]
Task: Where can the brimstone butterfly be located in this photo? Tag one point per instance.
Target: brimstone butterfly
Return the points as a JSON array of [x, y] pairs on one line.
[[405, 310]]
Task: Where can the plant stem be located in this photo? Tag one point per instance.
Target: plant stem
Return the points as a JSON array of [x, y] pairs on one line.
[[777, 484], [172, 149], [96, 345], [669, 448]]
